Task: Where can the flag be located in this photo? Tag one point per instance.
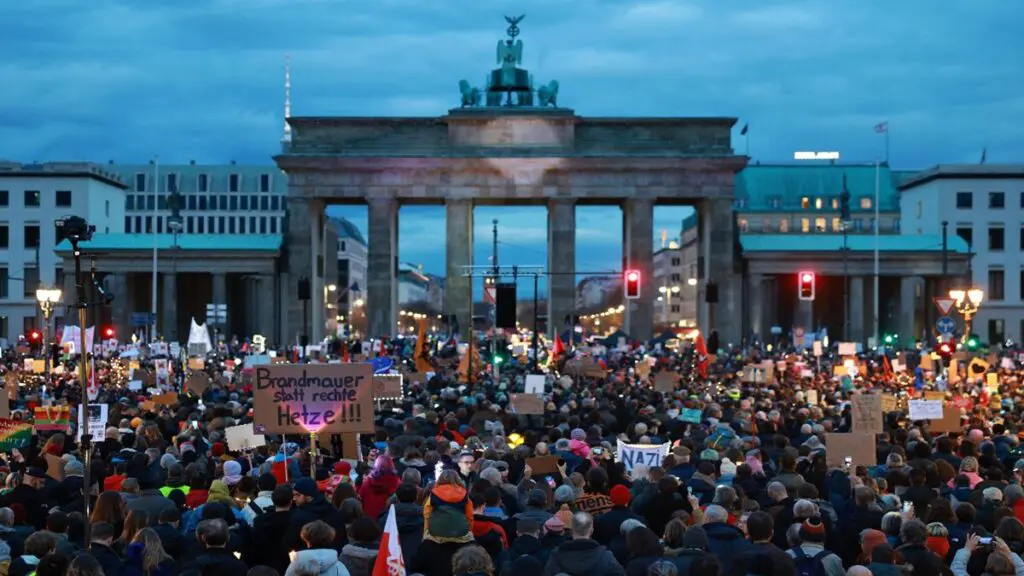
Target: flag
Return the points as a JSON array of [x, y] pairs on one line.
[[882, 127], [93, 388], [701, 348], [14, 434], [344, 353], [558, 348], [984, 155], [389, 554], [743, 132]]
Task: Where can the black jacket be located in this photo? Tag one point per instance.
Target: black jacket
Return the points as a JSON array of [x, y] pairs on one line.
[[266, 546], [526, 545], [215, 562], [606, 526], [317, 509], [760, 554], [583, 557], [107, 559]]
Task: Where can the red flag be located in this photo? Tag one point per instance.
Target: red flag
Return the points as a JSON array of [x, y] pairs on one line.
[[383, 347], [703, 360], [389, 555], [886, 367], [558, 349], [344, 352]]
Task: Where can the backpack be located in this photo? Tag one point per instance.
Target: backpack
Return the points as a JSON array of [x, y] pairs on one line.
[[447, 519], [809, 565]]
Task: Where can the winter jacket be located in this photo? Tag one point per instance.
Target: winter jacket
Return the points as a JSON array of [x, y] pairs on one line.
[[133, 556], [359, 560], [727, 542], [409, 518], [583, 557], [374, 493], [326, 559]]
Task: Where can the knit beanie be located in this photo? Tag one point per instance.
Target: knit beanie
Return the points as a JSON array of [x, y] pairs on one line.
[[812, 530], [565, 515], [621, 496]]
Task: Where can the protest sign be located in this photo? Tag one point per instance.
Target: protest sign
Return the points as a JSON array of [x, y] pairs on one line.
[[812, 397], [534, 384], [96, 420], [691, 415], [859, 447], [925, 409], [889, 403], [52, 418], [167, 399], [867, 413], [541, 465], [649, 455], [526, 404], [13, 435], [308, 398], [950, 421], [197, 383], [666, 381], [242, 437], [387, 387]]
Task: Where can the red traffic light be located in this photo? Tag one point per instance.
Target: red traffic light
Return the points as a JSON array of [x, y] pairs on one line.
[[806, 288], [35, 336], [632, 284], [945, 349], [108, 332]]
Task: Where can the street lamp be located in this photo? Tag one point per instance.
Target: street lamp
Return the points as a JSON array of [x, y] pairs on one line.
[[48, 299], [967, 303], [668, 291]]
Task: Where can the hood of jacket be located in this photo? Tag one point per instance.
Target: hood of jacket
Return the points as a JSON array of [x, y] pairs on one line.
[[359, 558], [324, 557], [384, 484]]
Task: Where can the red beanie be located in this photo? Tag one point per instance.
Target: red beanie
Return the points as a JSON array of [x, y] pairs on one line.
[[218, 449], [343, 468], [620, 495]]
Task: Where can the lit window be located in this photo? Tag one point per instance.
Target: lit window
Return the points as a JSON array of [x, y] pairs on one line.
[[837, 225], [743, 224], [865, 203], [805, 225], [784, 225], [835, 203], [819, 225], [818, 203], [805, 202]]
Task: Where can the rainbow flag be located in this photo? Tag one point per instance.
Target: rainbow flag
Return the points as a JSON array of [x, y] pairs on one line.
[[52, 418], [14, 434]]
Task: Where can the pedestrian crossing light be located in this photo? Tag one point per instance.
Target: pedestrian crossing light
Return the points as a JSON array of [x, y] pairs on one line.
[[632, 284], [972, 343], [806, 281]]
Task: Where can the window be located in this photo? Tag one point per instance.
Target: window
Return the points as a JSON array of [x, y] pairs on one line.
[[31, 283], [967, 233], [805, 202], [31, 235], [3, 286], [63, 198], [1021, 202], [190, 226], [858, 224], [995, 285], [784, 225], [159, 225], [3, 326], [150, 203], [241, 225], [996, 238], [264, 203], [264, 182], [675, 308], [273, 225], [1021, 285], [835, 203], [896, 223], [866, 203], [263, 225], [220, 225], [58, 277], [996, 331], [231, 225], [997, 200], [805, 225], [106, 208], [138, 225], [837, 225], [172, 183], [233, 183], [820, 225], [5, 198], [31, 198], [5, 237], [743, 224], [58, 235], [233, 203], [128, 224], [28, 324], [129, 202], [149, 224], [775, 202], [675, 277], [817, 203], [140, 182], [222, 201], [202, 203], [200, 225], [964, 200], [203, 183]]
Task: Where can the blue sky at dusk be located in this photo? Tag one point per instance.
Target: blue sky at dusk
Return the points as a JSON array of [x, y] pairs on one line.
[[201, 80]]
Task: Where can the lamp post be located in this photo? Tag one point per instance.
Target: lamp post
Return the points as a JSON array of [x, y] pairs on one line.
[[48, 299], [967, 303]]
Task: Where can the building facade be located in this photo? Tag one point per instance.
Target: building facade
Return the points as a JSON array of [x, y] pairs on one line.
[[675, 278], [984, 206], [33, 197]]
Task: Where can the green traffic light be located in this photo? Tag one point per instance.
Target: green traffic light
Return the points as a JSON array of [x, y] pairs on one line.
[[972, 343], [498, 360]]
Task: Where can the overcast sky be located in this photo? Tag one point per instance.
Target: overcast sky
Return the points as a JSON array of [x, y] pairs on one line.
[[202, 79]]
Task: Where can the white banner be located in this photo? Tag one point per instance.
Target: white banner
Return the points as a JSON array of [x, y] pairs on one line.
[[649, 455], [96, 422]]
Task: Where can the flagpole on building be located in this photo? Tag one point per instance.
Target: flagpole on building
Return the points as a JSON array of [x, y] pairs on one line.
[[878, 181], [156, 204]]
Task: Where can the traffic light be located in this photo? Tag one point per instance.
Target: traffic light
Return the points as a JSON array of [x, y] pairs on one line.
[[972, 343], [890, 339], [806, 280], [108, 332], [632, 284], [945, 350], [35, 337]]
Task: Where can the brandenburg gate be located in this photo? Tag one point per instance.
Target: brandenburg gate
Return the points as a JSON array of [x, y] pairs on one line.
[[509, 143]]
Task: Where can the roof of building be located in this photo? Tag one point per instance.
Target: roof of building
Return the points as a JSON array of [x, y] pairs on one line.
[[966, 171], [782, 188], [63, 170], [186, 242], [348, 230], [856, 243]]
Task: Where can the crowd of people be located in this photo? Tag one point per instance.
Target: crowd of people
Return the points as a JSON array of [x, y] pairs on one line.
[[462, 485]]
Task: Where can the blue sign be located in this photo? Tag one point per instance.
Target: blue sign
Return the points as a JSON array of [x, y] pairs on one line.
[[382, 364], [945, 326], [142, 318]]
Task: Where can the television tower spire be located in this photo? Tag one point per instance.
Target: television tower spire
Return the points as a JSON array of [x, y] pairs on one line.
[[287, 136]]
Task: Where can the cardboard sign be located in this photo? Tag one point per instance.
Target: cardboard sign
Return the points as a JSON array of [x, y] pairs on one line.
[[534, 384], [585, 369], [525, 404], [11, 383], [167, 399], [313, 398], [934, 395], [866, 410], [196, 364], [540, 465], [198, 383], [812, 397], [950, 421], [889, 403], [859, 447], [666, 381], [387, 387]]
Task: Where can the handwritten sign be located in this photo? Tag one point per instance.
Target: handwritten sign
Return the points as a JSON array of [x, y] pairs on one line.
[[649, 455], [308, 398], [387, 387], [867, 413], [242, 437], [925, 409], [526, 404], [859, 447]]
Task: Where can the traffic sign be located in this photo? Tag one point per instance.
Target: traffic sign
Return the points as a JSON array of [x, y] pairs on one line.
[[490, 293], [140, 319], [945, 326], [944, 304]]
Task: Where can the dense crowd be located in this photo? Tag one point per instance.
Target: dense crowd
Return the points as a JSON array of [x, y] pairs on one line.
[[745, 488]]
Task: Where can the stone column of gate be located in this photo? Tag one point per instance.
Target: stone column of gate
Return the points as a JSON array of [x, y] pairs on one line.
[[908, 309], [316, 280], [561, 262], [756, 295], [381, 267], [120, 308], [727, 317], [264, 307], [857, 309], [458, 290], [638, 249], [299, 265], [170, 307]]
